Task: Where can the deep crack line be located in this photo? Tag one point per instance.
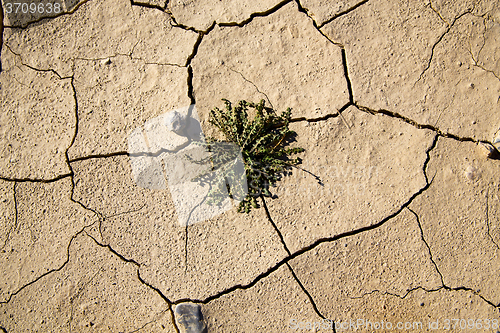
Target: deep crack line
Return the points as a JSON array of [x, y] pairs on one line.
[[254, 15], [60, 77], [280, 235], [158, 291], [99, 216], [149, 5], [68, 162], [326, 117], [71, 175], [36, 180], [342, 13], [417, 125], [346, 75], [427, 245], [278, 232], [125, 153], [304, 11], [197, 43], [324, 240], [342, 51], [88, 157], [227, 24], [443, 285], [172, 318], [110, 249], [190, 91], [311, 300], [178, 25]]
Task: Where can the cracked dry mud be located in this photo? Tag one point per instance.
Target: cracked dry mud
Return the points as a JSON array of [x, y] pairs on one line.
[[393, 216]]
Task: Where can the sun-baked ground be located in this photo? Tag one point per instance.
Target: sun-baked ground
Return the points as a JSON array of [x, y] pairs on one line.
[[392, 217]]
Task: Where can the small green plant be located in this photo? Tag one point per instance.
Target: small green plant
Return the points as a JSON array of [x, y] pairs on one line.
[[261, 141]]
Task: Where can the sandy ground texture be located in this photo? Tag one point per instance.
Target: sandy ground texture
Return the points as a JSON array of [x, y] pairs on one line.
[[391, 222]]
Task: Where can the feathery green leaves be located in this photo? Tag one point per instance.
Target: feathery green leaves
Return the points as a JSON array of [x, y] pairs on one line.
[[261, 141]]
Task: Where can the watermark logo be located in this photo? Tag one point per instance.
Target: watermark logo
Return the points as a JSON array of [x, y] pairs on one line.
[[22, 12], [170, 151]]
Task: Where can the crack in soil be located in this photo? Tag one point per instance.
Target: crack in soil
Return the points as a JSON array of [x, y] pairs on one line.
[[190, 91], [51, 270], [254, 15], [304, 10], [444, 287], [427, 245], [342, 53], [36, 180], [196, 45], [72, 188], [38, 69], [88, 157], [253, 84], [323, 240], [130, 56], [69, 243], [342, 13], [448, 28], [417, 125], [475, 59], [191, 96], [60, 77], [151, 6], [322, 118], [141, 280], [346, 75], [280, 235], [437, 13]]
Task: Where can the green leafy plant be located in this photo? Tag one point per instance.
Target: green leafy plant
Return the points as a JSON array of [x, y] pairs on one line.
[[261, 142]]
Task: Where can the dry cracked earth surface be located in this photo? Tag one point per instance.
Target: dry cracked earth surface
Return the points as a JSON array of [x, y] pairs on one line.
[[391, 221]]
